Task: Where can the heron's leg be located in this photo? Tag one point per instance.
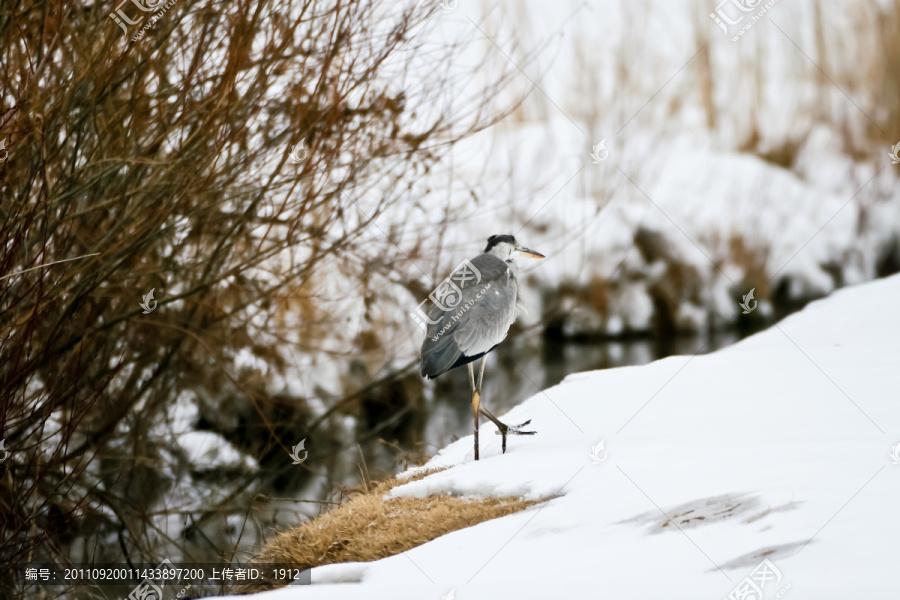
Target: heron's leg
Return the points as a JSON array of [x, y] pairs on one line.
[[484, 411], [503, 428], [476, 404], [481, 372]]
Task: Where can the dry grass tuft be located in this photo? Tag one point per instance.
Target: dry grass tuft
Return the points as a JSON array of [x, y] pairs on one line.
[[369, 526]]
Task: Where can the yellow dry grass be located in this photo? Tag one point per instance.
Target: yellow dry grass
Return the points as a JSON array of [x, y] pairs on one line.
[[368, 526]]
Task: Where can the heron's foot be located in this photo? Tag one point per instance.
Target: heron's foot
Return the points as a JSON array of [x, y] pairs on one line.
[[504, 429]]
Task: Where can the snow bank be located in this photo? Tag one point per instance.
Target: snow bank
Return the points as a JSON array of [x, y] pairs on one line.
[[753, 451]]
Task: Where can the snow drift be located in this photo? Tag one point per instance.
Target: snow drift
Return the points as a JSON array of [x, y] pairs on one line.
[[777, 448]]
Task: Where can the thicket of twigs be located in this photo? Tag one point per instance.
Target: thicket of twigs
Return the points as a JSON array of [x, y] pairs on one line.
[[164, 164]]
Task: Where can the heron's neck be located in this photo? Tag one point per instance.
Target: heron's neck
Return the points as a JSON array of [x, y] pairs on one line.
[[513, 266], [507, 258]]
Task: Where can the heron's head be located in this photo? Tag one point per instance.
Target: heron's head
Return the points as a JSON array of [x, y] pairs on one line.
[[507, 248]]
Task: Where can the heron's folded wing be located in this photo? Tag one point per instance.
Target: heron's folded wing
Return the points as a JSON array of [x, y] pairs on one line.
[[491, 307], [476, 323]]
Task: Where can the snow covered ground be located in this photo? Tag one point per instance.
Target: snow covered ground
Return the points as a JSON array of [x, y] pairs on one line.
[[777, 447]]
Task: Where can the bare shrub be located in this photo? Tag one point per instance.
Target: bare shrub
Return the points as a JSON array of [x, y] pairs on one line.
[[164, 164]]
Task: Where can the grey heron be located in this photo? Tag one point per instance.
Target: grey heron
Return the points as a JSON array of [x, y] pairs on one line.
[[472, 313]]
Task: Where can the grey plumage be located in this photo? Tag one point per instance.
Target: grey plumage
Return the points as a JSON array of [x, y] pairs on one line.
[[475, 331]]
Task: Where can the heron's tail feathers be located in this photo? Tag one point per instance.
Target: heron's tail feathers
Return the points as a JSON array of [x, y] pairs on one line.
[[439, 356]]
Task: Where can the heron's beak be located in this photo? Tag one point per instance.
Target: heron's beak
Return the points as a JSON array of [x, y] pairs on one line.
[[529, 253]]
